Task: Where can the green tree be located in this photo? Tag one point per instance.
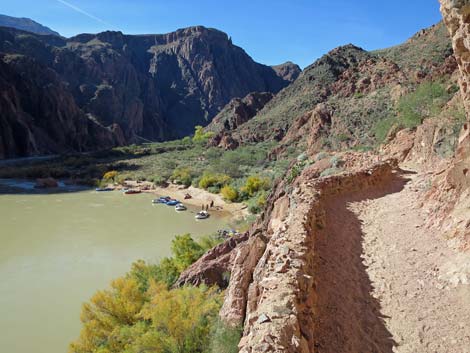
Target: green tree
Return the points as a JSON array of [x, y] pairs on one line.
[[182, 176], [111, 175], [185, 251], [200, 136], [229, 193], [106, 312], [254, 184], [184, 316], [213, 180]]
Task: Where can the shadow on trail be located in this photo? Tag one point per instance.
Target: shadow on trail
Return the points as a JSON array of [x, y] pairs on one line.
[[348, 318]]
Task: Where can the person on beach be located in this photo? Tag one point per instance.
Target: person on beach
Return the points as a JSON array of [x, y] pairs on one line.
[[212, 203]]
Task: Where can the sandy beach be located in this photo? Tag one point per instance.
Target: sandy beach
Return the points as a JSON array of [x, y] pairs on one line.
[[199, 197]]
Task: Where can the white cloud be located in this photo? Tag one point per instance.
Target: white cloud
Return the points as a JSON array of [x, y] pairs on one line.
[[83, 12]]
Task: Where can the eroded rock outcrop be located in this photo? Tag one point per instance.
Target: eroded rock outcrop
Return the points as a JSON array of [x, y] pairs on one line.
[[237, 112], [287, 71], [211, 268], [449, 195], [456, 14]]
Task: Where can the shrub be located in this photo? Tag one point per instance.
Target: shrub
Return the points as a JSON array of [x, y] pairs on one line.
[[185, 251], [295, 172], [207, 242], [182, 176], [261, 201], [214, 189], [159, 181], [427, 100], [180, 320], [253, 206], [336, 161], [167, 271], [254, 184], [186, 140], [229, 193], [124, 319], [201, 137], [320, 156], [257, 203], [209, 179], [302, 157], [140, 313], [225, 338], [382, 128]]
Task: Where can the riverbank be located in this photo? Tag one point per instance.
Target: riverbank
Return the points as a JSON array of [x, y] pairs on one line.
[[199, 197], [64, 245]]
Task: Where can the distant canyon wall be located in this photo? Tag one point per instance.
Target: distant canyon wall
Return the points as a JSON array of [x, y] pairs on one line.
[[120, 88]]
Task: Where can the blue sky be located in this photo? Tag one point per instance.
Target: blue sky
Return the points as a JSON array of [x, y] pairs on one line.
[[271, 31]]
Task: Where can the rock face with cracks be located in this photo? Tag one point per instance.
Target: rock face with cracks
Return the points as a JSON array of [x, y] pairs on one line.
[[448, 197], [456, 14]]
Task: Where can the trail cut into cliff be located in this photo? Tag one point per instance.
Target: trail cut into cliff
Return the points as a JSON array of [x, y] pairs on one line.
[[385, 282]]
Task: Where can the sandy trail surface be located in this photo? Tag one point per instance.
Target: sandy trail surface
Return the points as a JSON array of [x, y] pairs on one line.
[[385, 282]]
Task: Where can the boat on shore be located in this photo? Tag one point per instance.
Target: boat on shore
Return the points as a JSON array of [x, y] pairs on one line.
[[132, 191], [104, 189], [162, 199], [172, 202], [180, 207], [202, 215]]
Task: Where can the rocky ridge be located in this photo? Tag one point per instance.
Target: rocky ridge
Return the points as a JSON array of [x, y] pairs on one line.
[[150, 87], [235, 113], [26, 24], [354, 87], [288, 71]]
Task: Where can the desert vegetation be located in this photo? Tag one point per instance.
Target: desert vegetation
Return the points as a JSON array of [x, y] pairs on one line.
[[141, 312]]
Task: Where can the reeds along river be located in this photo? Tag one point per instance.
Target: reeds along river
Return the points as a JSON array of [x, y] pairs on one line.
[[58, 248]]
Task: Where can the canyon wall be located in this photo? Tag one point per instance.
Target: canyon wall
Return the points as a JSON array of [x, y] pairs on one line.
[[449, 197], [146, 87], [456, 14]]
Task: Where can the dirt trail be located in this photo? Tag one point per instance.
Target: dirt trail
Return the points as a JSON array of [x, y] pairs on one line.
[[384, 282]]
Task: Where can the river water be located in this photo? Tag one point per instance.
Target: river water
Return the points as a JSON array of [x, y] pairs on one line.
[[58, 248]]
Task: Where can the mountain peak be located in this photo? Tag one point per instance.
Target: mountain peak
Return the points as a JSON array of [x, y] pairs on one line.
[[287, 71], [26, 24]]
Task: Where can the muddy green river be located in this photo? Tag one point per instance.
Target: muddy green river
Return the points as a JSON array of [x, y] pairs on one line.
[[57, 249]]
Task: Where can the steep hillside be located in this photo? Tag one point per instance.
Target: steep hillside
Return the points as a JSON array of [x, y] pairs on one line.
[[237, 112], [357, 90], [429, 46], [310, 88], [153, 87], [26, 24]]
